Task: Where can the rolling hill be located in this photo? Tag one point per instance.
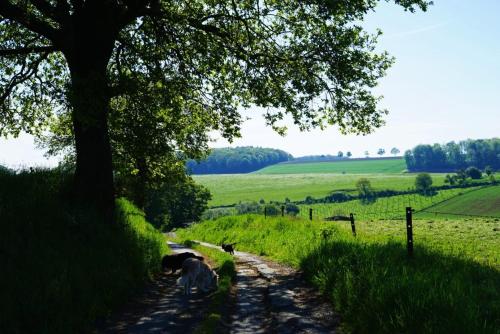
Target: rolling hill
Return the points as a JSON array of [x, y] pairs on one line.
[[351, 166]]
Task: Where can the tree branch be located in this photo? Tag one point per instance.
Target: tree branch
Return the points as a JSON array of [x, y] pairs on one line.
[[27, 50], [21, 16]]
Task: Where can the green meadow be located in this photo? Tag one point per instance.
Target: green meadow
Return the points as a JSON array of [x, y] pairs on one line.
[[390, 207], [232, 188], [482, 202], [361, 166], [451, 285]]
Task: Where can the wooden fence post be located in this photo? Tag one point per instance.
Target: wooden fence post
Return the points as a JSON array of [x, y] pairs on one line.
[[282, 211], [310, 214], [353, 227], [265, 212], [409, 231]]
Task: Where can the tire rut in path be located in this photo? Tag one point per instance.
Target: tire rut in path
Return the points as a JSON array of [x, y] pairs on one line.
[[273, 298], [161, 308]]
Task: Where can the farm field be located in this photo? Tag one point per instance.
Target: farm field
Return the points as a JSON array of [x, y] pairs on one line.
[[229, 189], [371, 271], [391, 207], [482, 202], [362, 166]]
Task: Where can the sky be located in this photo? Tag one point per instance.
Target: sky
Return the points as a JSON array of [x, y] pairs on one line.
[[444, 86]]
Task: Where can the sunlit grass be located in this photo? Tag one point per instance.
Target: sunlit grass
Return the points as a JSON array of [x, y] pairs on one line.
[[452, 285]]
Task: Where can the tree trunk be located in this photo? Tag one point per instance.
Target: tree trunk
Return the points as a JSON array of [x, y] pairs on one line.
[[88, 54], [94, 173]]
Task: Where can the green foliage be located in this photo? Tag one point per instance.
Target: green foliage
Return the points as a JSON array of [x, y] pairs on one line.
[[292, 209], [474, 173], [176, 203], [248, 207], [365, 191], [272, 210], [237, 160], [488, 170], [454, 156], [62, 267], [423, 183], [369, 278]]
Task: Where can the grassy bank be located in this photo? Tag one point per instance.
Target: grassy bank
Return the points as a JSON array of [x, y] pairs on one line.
[[61, 268], [450, 286]]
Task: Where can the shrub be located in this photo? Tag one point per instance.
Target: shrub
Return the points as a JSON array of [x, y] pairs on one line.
[[488, 170], [291, 209], [365, 191], [217, 213], [309, 200], [272, 210], [474, 173], [175, 204], [339, 196], [423, 183], [248, 207]]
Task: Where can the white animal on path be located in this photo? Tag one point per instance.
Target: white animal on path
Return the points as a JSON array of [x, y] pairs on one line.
[[199, 274]]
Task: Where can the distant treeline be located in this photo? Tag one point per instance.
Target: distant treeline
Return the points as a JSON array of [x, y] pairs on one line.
[[453, 156], [237, 160]]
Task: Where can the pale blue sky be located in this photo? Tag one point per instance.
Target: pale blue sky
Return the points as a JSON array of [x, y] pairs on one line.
[[445, 85]]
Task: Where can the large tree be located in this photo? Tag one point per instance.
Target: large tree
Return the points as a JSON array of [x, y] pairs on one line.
[[310, 59]]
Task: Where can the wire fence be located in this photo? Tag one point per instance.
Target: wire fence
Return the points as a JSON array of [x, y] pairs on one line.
[[385, 208]]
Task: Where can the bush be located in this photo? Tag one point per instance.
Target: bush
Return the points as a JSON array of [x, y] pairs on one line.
[[217, 213], [175, 204], [248, 207], [339, 196], [365, 191], [423, 183], [474, 173], [62, 268], [292, 209], [272, 210], [309, 200]]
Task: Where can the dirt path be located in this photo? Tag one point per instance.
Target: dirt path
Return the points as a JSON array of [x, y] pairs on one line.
[[271, 298], [162, 308], [268, 298]]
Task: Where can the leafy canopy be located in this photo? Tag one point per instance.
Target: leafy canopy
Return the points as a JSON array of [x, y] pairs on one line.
[[310, 59]]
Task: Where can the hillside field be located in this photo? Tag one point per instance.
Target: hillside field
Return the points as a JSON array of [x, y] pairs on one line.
[[229, 189], [361, 166], [482, 202]]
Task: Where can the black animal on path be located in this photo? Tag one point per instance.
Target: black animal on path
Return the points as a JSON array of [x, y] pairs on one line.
[[174, 261], [229, 247]]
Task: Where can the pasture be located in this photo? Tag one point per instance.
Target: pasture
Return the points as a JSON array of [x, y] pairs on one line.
[[361, 166], [482, 202], [372, 272], [232, 188], [393, 207]]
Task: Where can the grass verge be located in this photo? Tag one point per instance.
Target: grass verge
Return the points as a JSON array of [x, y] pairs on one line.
[[446, 288]]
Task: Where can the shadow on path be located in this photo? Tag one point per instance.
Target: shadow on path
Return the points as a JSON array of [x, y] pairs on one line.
[[161, 308]]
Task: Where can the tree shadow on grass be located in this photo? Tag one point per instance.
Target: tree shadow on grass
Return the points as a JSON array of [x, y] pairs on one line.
[[378, 289]]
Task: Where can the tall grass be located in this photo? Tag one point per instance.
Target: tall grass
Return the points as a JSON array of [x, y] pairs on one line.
[[62, 268], [370, 280]]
